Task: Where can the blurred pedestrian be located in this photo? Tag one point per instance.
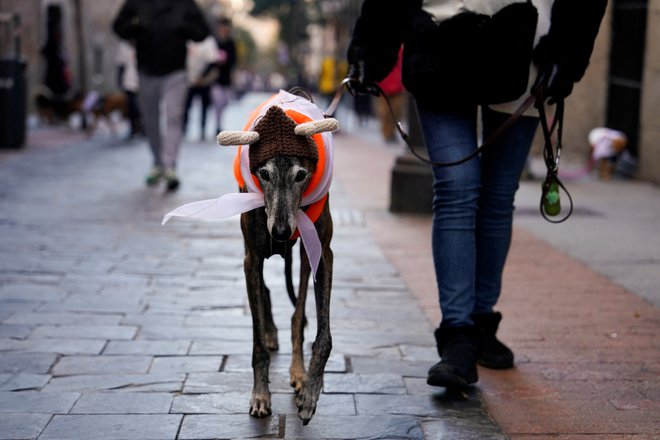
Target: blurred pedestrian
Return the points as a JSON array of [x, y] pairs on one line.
[[458, 55], [57, 75], [202, 73], [221, 91], [393, 90], [127, 79], [160, 29]]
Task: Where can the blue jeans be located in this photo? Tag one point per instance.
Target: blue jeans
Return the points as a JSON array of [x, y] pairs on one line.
[[473, 207]]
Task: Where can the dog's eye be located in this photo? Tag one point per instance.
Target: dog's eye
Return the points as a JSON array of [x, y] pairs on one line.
[[302, 175], [264, 175]]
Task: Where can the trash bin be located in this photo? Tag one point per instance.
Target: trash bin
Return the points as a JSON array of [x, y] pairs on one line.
[[13, 89], [13, 103]]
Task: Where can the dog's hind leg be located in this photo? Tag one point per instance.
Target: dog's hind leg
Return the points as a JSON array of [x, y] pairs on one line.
[[297, 370], [260, 401], [313, 382]]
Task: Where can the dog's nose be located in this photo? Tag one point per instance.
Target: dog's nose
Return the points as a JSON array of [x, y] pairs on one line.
[[281, 232]]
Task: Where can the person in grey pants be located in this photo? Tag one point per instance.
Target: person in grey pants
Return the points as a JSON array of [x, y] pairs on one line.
[[160, 30]]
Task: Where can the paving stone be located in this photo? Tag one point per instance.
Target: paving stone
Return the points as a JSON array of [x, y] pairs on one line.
[[439, 405], [186, 364], [119, 382], [23, 402], [101, 304], [364, 365], [281, 362], [221, 347], [168, 332], [26, 362], [364, 383], [31, 292], [328, 404], [85, 331], [115, 427], [123, 403], [22, 426], [232, 381], [354, 427], [155, 348], [60, 346], [213, 403], [20, 306], [15, 331], [142, 319], [69, 365], [24, 381], [462, 428], [44, 318], [365, 348], [425, 353], [418, 385], [214, 426]]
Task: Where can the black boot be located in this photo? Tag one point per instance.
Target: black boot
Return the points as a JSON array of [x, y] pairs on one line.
[[494, 354], [459, 349]]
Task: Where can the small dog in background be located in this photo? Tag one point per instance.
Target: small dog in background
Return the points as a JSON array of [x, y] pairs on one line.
[[606, 145], [52, 109], [103, 107]]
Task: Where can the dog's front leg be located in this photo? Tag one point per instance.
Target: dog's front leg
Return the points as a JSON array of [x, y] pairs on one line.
[[313, 382], [297, 370], [260, 402]]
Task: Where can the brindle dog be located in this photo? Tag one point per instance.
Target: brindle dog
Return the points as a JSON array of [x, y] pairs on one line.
[[266, 231]]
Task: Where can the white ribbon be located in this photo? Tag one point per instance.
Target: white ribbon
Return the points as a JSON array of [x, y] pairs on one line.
[[238, 203]]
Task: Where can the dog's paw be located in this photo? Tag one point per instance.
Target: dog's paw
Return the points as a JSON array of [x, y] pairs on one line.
[[271, 341], [296, 379], [306, 403], [260, 406]]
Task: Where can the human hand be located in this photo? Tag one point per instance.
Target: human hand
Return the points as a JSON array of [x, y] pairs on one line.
[[557, 85], [358, 83]]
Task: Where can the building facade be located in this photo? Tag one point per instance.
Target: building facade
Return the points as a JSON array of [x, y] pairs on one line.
[[621, 88]]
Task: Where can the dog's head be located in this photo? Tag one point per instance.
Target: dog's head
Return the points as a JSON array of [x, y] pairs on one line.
[[283, 158]]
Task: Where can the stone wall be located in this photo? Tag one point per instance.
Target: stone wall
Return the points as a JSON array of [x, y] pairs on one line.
[[649, 148]]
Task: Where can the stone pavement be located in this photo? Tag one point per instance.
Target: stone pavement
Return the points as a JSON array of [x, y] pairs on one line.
[[113, 327]]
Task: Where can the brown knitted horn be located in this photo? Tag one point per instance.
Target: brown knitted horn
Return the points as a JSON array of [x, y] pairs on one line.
[[237, 137]]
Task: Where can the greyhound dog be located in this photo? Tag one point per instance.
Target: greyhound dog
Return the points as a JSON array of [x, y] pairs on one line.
[[283, 164]]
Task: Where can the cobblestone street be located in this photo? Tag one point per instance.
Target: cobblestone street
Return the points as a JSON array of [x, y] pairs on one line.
[[115, 327]]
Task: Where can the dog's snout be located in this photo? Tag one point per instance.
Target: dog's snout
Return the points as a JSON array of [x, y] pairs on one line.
[[281, 232]]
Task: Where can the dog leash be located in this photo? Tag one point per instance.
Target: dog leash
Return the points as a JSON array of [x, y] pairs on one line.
[[550, 205]]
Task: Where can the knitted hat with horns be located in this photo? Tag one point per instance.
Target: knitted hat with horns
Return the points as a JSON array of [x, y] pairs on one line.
[[277, 138]]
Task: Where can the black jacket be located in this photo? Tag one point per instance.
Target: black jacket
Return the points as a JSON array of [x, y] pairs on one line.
[[450, 63], [160, 29], [225, 68]]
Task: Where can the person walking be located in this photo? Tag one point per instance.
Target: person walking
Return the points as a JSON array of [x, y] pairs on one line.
[[127, 79], [457, 56], [221, 90], [202, 73], [160, 30]]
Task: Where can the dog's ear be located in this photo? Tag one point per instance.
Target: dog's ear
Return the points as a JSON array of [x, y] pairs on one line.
[[226, 138], [319, 126]]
